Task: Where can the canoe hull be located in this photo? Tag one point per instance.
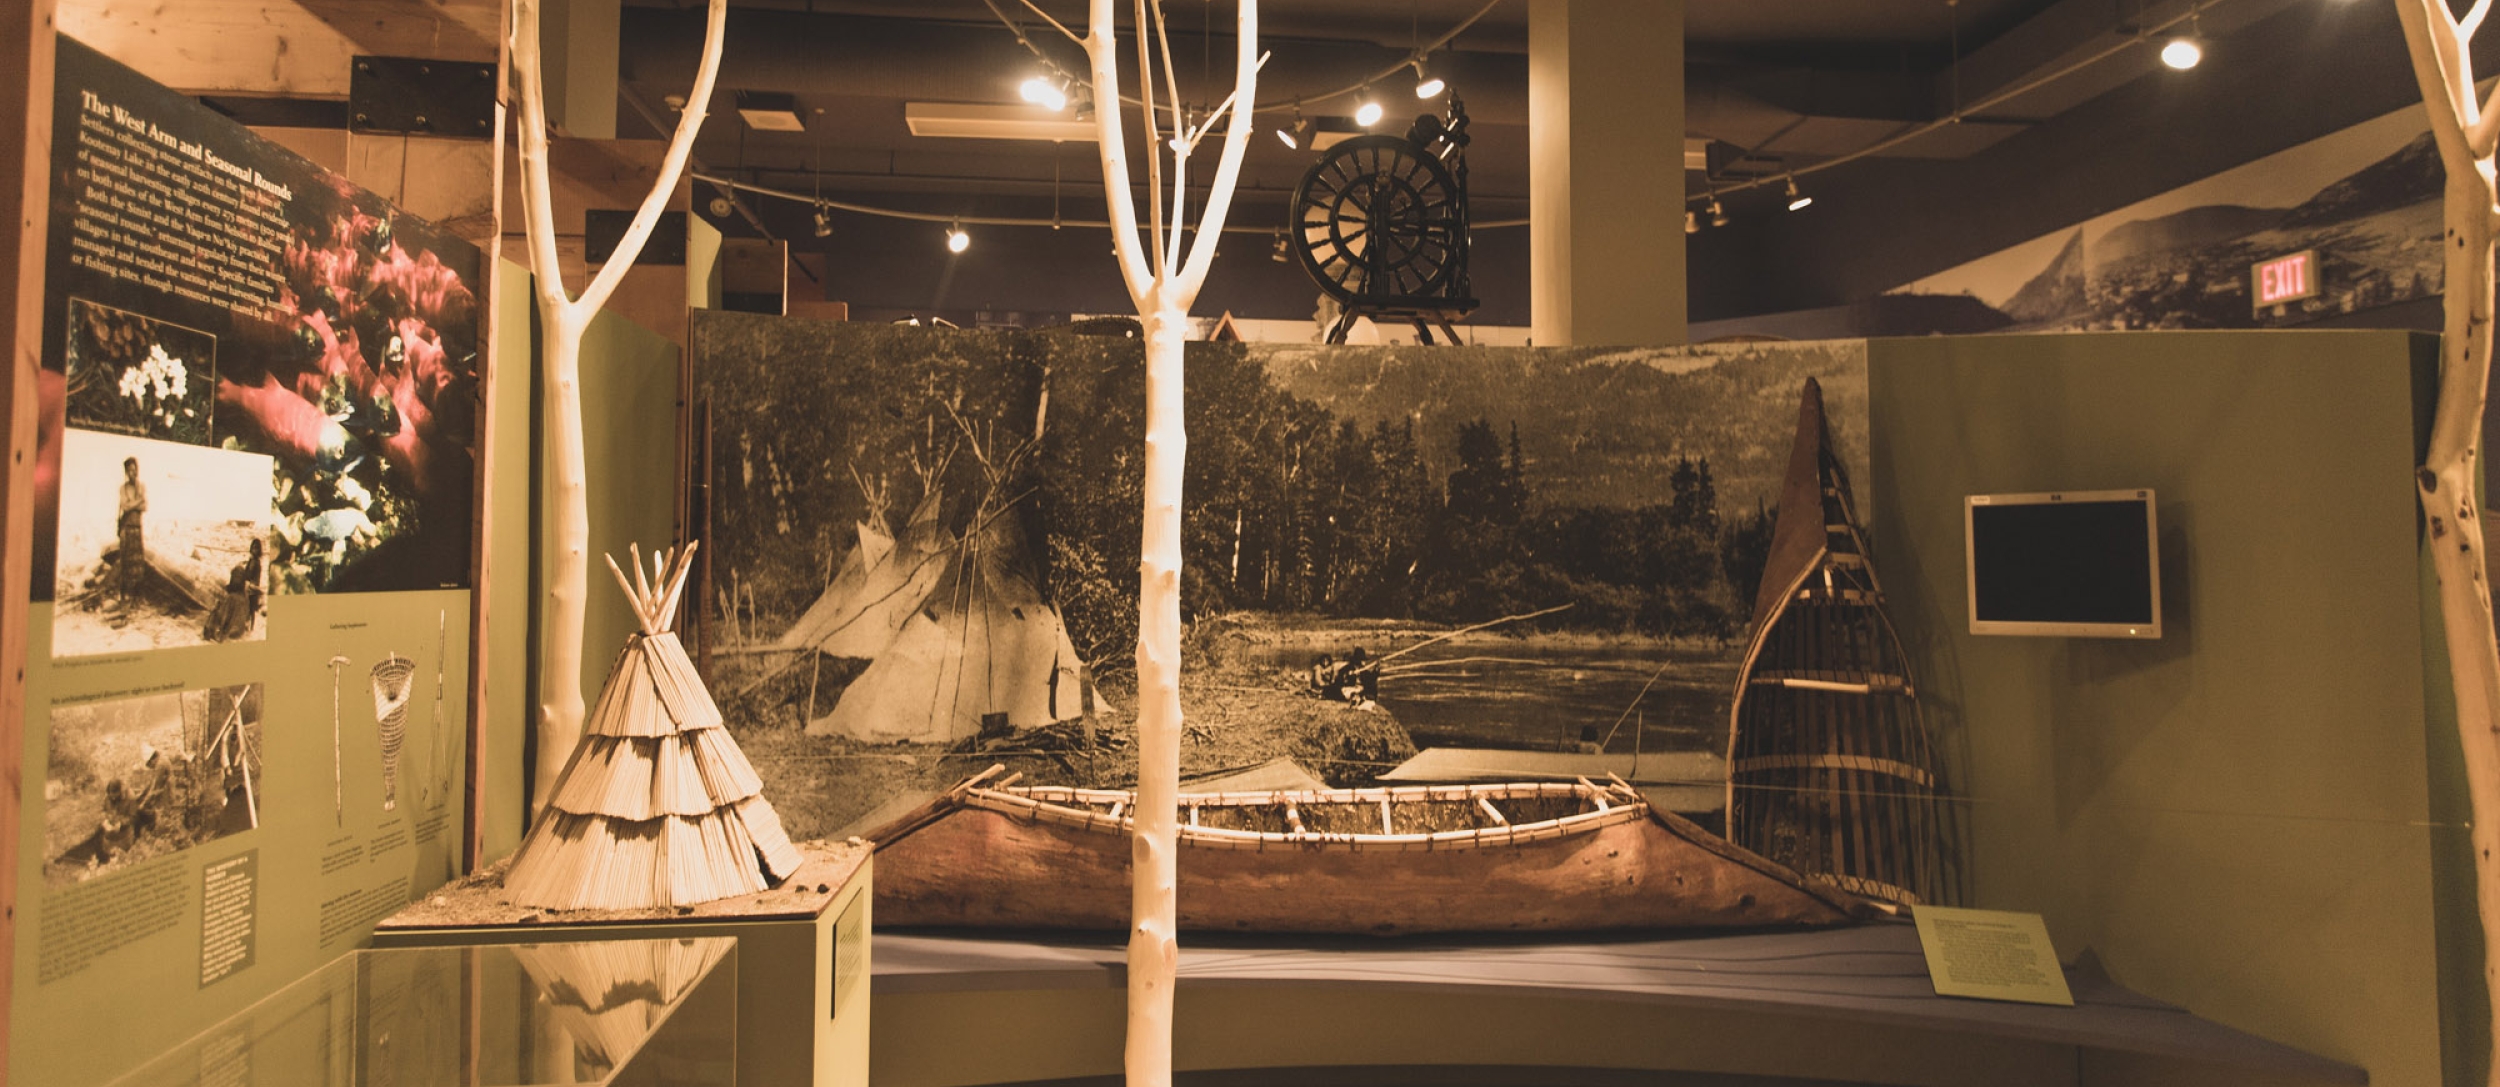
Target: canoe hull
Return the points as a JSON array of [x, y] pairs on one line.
[[978, 868]]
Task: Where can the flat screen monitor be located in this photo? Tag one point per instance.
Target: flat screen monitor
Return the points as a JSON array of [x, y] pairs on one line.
[[2072, 564]]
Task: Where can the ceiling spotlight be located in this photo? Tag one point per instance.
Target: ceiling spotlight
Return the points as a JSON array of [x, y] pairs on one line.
[[2183, 52], [1299, 134], [1367, 114], [1692, 222], [1797, 201], [1043, 92], [824, 220], [956, 240], [1427, 85], [1718, 215]]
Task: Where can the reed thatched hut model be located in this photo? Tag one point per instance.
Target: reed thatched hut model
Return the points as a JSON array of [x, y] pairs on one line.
[[657, 806]]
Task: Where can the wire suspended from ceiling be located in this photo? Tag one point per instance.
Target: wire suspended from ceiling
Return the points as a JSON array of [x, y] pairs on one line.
[[2144, 36], [1707, 199], [1411, 60], [965, 220]]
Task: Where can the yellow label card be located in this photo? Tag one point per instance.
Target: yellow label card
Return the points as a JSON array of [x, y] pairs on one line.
[[1992, 955]]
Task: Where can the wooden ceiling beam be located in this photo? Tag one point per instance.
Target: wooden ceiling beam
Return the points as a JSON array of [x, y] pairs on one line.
[[286, 48]]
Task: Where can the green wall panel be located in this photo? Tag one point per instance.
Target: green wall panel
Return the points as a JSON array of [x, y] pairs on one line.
[[2237, 817]]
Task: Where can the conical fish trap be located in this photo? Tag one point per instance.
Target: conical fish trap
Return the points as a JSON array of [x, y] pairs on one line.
[[393, 679]]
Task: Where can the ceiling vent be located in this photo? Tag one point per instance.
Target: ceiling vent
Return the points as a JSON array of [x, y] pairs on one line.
[[767, 111], [980, 122]]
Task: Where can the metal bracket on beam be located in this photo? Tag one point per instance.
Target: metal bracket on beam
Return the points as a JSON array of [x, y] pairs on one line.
[[414, 96]]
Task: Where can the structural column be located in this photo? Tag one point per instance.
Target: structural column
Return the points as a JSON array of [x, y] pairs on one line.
[[1606, 171]]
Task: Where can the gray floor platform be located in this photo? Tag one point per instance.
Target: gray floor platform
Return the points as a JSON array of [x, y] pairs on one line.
[[1871, 975]]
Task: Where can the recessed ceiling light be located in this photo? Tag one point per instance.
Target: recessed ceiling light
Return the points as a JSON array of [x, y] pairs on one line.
[[770, 111]]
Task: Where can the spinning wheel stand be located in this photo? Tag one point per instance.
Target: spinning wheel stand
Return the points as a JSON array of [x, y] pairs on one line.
[[1380, 223]]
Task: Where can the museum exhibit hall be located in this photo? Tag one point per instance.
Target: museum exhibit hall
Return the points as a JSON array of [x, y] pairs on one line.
[[1208, 543]]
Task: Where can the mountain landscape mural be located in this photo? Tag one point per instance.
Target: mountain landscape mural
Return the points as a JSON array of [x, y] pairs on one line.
[[2366, 200]]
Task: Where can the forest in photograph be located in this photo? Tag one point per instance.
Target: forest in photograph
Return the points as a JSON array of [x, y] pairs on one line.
[[939, 572]]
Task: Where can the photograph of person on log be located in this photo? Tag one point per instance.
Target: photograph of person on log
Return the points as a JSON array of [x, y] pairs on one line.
[[160, 545], [1489, 553]]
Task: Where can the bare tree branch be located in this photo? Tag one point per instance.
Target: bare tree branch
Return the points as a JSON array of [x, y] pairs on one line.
[[1119, 206], [1154, 142], [2483, 136], [2436, 69], [537, 204], [1246, 64], [672, 165]]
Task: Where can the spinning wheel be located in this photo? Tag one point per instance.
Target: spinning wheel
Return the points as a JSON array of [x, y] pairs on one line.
[[1377, 219], [1380, 223]]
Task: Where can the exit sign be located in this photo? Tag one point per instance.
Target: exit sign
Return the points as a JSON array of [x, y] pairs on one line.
[[2286, 279]]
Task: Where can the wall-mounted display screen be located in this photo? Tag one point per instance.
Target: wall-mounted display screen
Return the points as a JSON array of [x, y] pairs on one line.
[[2075, 564]]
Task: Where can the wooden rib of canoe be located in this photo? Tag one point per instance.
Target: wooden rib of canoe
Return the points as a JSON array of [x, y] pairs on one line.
[[1548, 856], [1830, 769]]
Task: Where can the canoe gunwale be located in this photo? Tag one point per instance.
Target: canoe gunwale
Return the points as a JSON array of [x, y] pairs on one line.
[[1053, 804]]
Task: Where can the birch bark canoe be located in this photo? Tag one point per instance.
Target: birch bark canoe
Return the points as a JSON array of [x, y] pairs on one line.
[[1532, 857]]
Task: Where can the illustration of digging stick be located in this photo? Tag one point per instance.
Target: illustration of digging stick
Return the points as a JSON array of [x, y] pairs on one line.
[[338, 777]]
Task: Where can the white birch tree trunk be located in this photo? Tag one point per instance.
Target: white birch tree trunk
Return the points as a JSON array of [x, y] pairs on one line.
[[561, 706], [563, 318], [2452, 526], [1162, 281], [1154, 872]]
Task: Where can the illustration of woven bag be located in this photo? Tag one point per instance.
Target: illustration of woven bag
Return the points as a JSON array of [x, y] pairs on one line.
[[391, 688]]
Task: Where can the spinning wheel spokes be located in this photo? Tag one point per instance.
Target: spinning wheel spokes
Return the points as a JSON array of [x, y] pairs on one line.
[[1379, 218]]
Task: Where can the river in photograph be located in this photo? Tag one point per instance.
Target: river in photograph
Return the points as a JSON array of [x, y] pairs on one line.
[[1540, 693]]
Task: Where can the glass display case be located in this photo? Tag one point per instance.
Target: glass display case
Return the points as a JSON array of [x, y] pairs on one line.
[[630, 1013]]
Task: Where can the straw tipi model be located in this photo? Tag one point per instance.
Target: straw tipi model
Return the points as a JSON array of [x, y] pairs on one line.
[[657, 806]]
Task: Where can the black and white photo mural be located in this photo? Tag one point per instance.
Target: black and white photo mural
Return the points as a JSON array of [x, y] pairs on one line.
[[2363, 202], [924, 548]]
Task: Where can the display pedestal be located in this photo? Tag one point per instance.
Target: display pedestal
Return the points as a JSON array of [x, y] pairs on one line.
[[624, 1013], [808, 936]]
